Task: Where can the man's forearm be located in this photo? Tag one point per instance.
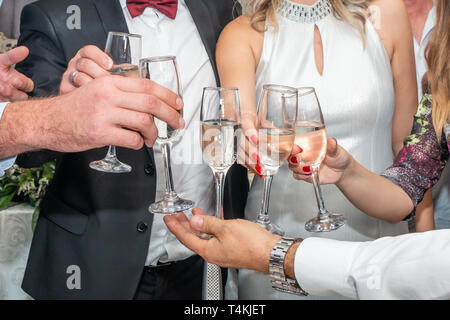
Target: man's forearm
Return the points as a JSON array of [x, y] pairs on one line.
[[21, 127]]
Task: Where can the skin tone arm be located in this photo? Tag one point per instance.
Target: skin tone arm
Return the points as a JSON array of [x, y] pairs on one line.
[[394, 29], [112, 110], [371, 193]]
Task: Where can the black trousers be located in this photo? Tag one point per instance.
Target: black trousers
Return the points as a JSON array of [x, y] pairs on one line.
[[178, 281]]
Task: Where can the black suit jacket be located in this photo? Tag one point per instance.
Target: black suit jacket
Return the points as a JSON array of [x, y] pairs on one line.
[[95, 221]]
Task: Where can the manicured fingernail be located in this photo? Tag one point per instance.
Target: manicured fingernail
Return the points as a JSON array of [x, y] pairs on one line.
[[307, 168], [179, 102], [1, 89], [259, 169], [197, 222], [256, 158], [182, 123], [254, 139], [301, 150], [294, 160]]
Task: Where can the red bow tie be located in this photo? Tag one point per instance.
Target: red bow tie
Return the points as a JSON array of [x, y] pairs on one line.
[[167, 7]]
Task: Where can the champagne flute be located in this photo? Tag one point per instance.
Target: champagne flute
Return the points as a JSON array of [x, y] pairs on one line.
[[220, 117], [164, 71], [277, 114], [125, 51], [220, 128], [311, 136]]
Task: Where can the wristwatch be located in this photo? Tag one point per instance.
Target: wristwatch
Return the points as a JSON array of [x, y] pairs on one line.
[[278, 278]]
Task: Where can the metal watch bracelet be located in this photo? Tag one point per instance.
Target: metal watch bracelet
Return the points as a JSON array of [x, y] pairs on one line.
[[278, 279]]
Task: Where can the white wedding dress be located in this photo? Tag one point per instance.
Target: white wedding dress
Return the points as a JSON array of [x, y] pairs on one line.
[[356, 93]]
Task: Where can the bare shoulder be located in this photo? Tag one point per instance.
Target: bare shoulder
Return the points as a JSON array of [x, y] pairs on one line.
[[392, 13], [239, 34], [391, 21]]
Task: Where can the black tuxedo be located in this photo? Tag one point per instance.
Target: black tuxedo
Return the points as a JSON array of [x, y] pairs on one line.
[[89, 219]]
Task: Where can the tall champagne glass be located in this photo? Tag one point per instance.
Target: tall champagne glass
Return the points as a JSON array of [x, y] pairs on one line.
[[220, 117], [311, 136], [125, 51], [220, 128], [277, 114], [164, 71]]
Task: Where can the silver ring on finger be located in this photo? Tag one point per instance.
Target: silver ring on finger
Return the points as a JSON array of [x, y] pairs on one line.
[[72, 78]]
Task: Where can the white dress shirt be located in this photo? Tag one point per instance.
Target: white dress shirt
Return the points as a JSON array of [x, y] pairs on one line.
[[193, 180], [411, 266], [419, 49], [5, 163]]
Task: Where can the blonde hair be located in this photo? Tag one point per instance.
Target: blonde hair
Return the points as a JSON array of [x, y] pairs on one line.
[[351, 11], [438, 76]]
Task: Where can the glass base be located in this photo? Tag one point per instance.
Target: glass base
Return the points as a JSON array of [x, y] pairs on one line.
[[171, 205], [272, 228], [333, 222], [110, 165]]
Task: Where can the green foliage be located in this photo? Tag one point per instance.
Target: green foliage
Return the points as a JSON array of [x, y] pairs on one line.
[[25, 186]]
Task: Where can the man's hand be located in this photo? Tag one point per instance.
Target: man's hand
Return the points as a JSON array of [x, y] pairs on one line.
[[112, 110], [236, 243], [13, 85], [88, 64]]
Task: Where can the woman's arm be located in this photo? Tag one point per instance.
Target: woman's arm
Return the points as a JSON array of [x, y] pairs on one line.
[[394, 30], [238, 53]]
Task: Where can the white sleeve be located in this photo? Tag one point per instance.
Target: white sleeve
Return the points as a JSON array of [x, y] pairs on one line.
[[5, 163], [411, 266]]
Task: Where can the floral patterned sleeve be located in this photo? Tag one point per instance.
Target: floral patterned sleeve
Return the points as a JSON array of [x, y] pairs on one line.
[[420, 163]]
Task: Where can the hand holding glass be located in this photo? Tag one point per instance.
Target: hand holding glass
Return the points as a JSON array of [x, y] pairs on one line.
[[125, 51]]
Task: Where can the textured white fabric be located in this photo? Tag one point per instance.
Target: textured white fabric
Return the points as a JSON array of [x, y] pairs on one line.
[[193, 180], [5, 163], [15, 242], [356, 93], [419, 49], [413, 266]]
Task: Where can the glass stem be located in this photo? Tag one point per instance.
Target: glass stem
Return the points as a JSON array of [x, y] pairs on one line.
[[263, 217], [165, 149], [220, 183], [323, 213], [111, 153]]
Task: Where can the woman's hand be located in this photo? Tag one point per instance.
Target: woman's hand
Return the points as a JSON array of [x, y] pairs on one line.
[[337, 162], [248, 153]]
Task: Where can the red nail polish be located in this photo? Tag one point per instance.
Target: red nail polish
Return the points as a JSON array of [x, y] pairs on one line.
[[307, 168], [254, 140], [294, 159], [259, 169], [301, 150], [256, 158]]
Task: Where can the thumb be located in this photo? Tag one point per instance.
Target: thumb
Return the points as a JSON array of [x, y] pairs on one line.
[[207, 224], [332, 147], [13, 56]]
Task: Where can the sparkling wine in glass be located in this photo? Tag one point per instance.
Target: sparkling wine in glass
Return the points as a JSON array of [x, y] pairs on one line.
[[220, 131], [125, 51], [277, 114], [311, 136], [220, 121], [164, 71]]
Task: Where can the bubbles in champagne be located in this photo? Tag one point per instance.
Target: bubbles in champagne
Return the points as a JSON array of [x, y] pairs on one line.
[[219, 143]]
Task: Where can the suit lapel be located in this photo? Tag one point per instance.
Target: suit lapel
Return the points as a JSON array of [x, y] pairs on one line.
[[111, 15], [203, 19]]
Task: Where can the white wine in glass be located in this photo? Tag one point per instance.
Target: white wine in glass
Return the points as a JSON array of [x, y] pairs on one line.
[[125, 51], [311, 136]]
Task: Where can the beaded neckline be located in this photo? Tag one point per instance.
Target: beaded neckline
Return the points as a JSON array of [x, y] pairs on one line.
[[305, 14]]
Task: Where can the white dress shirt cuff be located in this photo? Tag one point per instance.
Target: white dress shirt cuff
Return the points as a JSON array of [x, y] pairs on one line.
[[322, 266], [5, 163]]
